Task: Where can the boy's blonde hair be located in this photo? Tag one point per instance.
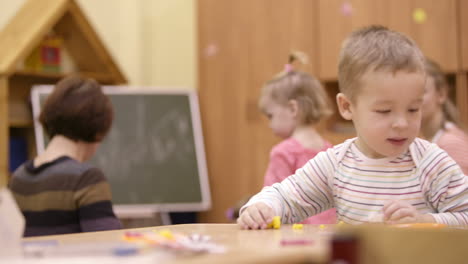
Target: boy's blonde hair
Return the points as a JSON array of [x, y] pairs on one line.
[[313, 101], [440, 82], [375, 48]]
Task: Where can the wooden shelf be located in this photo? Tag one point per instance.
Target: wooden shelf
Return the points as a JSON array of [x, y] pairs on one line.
[[24, 32], [35, 74], [103, 78], [21, 123]]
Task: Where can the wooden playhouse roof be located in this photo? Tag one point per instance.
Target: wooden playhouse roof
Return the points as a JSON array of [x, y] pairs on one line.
[[37, 18]]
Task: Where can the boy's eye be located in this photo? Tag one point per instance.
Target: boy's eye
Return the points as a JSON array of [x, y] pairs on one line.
[[413, 110], [383, 111]]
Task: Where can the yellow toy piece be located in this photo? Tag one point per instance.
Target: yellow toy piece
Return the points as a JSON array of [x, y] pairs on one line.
[[322, 227], [276, 223], [166, 234], [297, 226]]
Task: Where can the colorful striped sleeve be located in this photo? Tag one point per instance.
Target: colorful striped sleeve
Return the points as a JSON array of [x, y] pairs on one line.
[[445, 187], [93, 197], [303, 194]]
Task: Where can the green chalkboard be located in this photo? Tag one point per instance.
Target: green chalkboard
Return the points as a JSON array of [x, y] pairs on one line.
[[153, 155]]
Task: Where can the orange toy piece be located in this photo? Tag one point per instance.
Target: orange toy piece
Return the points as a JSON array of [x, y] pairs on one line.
[[420, 225]]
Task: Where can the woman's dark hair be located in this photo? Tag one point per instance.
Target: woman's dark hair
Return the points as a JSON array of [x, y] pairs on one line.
[[77, 109]]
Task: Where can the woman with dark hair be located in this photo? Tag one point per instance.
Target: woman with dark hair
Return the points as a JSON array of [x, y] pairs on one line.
[[57, 191]]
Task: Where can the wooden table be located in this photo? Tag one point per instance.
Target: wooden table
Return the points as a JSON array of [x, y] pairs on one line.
[[376, 244], [242, 246]]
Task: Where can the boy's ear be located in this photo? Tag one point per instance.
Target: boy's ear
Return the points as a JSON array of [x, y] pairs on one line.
[[344, 106]]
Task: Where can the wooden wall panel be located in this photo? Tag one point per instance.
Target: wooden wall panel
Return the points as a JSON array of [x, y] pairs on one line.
[[336, 21], [462, 76], [223, 72], [436, 35], [269, 46], [462, 9], [4, 131], [462, 97], [242, 44], [278, 28]]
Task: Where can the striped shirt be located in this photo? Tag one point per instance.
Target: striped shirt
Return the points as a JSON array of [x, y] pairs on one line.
[[63, 196], [342, 177], [285, 158]]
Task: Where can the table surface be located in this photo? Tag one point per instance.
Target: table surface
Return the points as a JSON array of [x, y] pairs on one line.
[[377, 244], [242, 246]]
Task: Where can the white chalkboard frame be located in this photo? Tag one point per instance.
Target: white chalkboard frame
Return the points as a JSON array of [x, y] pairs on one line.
[[144, 210]]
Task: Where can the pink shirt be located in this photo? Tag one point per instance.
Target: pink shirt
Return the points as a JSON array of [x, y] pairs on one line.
[[285, 158], [455, 142]]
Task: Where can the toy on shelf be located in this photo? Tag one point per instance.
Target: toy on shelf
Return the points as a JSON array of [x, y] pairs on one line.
[[46, 57]]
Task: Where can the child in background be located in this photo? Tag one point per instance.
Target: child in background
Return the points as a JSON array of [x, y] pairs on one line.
[[294, 103], [440, 123], [385, 173], [58, 192]]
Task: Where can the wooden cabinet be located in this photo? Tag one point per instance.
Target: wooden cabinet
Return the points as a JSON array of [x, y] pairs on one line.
[[462, 9], [277, 28], [462, 76], [461, 96], [338, 18], [223, 80], [435, 33], [22, 34], [242, 44]]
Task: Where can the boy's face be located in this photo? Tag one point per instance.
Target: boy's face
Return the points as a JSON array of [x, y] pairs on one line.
[[282, 118], [386, 112]]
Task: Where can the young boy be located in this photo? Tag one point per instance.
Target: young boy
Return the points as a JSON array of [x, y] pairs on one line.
[[386, 173]]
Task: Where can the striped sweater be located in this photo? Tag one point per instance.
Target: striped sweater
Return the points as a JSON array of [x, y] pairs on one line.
[[63, 196], [285, 158], [342, 177]]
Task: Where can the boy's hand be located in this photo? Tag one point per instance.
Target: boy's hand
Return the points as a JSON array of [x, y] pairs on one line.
[[256, 216], [400, 212]]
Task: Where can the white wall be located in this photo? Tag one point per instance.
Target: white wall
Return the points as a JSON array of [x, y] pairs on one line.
[[153, 41]]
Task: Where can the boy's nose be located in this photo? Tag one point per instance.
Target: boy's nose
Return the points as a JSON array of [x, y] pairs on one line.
[[400, 122]]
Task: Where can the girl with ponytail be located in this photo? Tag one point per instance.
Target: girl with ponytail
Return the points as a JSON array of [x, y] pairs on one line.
[[294, 102]]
